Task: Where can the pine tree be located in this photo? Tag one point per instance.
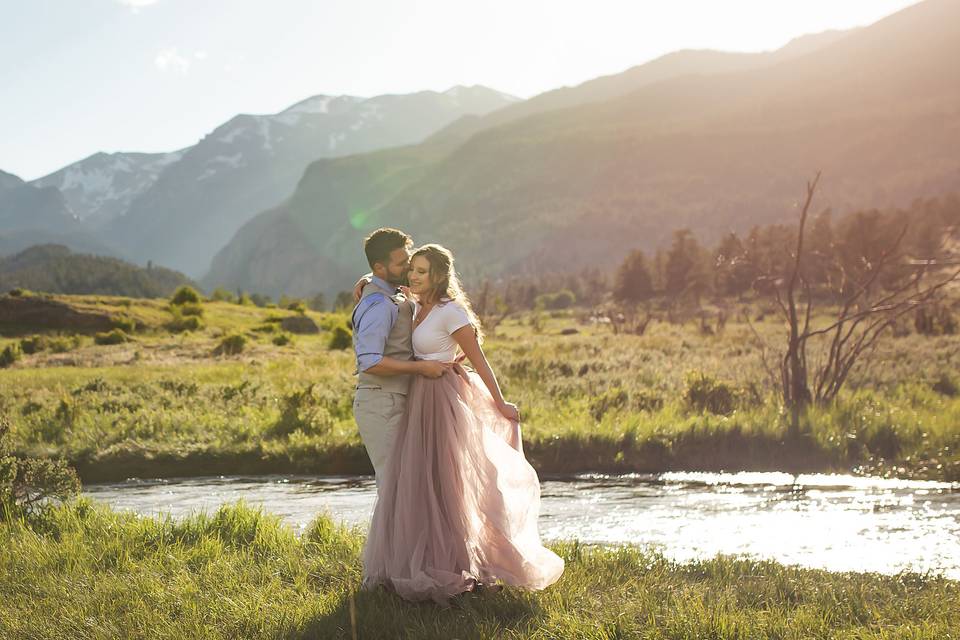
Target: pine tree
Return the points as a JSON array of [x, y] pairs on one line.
[[733, 274], [687, 270], [633, 282]]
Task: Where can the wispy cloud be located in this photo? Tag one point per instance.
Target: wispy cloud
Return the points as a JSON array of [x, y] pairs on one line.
[[136, 5], [171, 60]]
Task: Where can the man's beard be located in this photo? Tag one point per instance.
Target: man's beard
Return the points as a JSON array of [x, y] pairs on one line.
[[398, 281]]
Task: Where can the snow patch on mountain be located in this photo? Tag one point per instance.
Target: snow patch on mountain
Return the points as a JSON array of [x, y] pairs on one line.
[[97, 181], [104, 184], [263, 124], [335, 139], [316, 105], [218, 163], [232, 135]]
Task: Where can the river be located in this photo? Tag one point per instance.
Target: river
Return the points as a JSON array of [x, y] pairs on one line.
[[835, 522]]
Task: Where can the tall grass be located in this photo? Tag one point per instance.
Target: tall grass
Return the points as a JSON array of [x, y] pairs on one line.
[[84, 571], [670, 399]]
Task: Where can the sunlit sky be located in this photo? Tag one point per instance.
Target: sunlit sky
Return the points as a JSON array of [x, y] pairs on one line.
[[81, 76]]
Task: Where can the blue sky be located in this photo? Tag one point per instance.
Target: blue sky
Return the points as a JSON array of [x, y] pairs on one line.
[[81, 76]]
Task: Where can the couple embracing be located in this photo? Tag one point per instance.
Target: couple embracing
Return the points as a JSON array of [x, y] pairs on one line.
[[457, 501]]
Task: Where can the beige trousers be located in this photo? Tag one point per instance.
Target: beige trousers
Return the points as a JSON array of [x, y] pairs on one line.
[[378, 414]]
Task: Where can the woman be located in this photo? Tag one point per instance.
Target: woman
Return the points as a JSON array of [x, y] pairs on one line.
[[459, 502]]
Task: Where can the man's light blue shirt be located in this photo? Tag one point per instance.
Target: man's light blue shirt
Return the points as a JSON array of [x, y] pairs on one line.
[[373, 319]]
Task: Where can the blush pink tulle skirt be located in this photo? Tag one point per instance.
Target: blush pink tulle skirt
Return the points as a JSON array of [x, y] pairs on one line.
[[459, 502]]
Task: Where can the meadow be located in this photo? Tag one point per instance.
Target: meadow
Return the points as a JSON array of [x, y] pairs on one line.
[[166, 401], [83, 571], [233, 392]]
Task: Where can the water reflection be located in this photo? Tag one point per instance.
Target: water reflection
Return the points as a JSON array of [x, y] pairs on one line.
[[836, 522]]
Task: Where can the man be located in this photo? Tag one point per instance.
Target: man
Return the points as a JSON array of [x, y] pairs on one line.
[[382, 340]]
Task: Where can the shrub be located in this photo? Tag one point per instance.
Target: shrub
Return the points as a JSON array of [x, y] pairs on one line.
[[179, 388], [611, 399], [340, 338], [305, 410], [231, 345], [946, 386], [705, 393], [182, 323], [261, 300], [536, 322], [647, 401], [97, 385], [124, 323], [34, 344], [265, 328], [112, 337], [292, 304], [9, 355], [884, 441], [222, 295], [282, 339], [331, 320], [19, 292], [28, 485], [191, 309], [936, 320], [185, 294], [63, 344], [554, 301]]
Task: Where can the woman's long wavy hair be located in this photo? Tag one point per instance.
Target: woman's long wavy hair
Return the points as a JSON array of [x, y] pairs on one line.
[[445, 284]]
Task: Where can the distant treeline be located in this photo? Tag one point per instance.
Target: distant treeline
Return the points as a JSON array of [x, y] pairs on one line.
[[53, 268], [838, 249]]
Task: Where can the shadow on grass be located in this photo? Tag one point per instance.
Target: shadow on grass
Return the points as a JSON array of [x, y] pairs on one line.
[[380, 614]]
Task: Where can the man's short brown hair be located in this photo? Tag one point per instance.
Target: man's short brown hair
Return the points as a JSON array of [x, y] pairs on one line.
[[381, 243]]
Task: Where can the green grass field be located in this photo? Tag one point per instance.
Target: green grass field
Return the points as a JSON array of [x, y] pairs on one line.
[[83, 571], [167, 404], [170, 403]]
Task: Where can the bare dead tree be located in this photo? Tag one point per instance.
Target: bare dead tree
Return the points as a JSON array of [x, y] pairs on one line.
[[708, 329], [629, 319], [862, 318], [490, 308]]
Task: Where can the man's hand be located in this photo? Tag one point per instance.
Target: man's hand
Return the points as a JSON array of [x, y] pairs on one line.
[[432, 368], [358, 288]]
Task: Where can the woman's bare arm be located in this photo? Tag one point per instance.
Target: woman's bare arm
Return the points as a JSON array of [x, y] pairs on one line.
[[367, 279], [358, 288], [466, 337]]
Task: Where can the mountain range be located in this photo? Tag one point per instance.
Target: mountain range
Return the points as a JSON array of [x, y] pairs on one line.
[[572, 178], [179, 208], [522, 189]]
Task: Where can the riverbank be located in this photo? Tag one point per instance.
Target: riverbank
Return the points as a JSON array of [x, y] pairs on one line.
[[84, 571], [730, 451]]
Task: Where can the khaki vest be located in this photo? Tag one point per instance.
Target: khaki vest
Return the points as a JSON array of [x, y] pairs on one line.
[[399, 343]]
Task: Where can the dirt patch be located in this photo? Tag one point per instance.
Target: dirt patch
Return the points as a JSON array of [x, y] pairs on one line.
[[147, 353], [20, 315], [299, 324]]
